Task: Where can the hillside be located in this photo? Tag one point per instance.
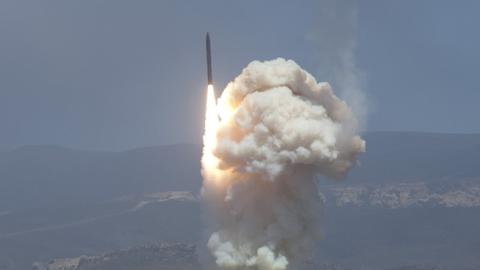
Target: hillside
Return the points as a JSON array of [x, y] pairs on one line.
[[413, 200]]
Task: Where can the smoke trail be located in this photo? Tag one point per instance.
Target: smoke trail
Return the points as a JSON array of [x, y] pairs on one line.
[[335, 39], [278, 128]]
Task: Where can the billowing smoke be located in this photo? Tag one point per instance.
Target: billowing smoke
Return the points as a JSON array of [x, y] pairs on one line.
[[277, 129]]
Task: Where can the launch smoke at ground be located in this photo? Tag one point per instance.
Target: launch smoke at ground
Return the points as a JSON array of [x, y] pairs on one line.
[[273, 130]]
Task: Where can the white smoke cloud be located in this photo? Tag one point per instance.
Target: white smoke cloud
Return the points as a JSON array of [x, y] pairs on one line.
[[278, 129]]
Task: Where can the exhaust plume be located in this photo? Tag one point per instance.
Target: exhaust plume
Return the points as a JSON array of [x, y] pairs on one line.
[[274, 129]]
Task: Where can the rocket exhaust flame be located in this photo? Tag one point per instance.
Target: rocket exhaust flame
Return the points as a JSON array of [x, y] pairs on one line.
[[274, 128], [209, 161]]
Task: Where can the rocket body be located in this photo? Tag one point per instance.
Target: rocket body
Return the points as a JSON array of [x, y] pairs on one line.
[[209, 61]]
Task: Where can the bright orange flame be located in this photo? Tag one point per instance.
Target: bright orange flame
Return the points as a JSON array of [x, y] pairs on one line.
[[209, 161]]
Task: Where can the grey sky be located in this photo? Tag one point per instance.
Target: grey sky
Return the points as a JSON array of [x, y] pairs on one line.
[[119, 74]]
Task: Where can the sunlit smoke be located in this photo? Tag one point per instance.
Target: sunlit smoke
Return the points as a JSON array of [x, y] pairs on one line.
[[273, 130]]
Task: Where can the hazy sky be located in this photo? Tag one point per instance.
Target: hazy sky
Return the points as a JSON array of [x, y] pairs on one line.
[[119, 74]]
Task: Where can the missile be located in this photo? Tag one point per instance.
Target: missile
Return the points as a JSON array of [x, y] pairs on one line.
[[209, 61]]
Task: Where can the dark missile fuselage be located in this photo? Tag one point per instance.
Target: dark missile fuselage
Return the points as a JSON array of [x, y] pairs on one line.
[[209, 61]]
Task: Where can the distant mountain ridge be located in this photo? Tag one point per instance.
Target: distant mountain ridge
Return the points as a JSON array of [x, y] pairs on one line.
[[44, 175], [414, 199], [39, 176], [416, 156]]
